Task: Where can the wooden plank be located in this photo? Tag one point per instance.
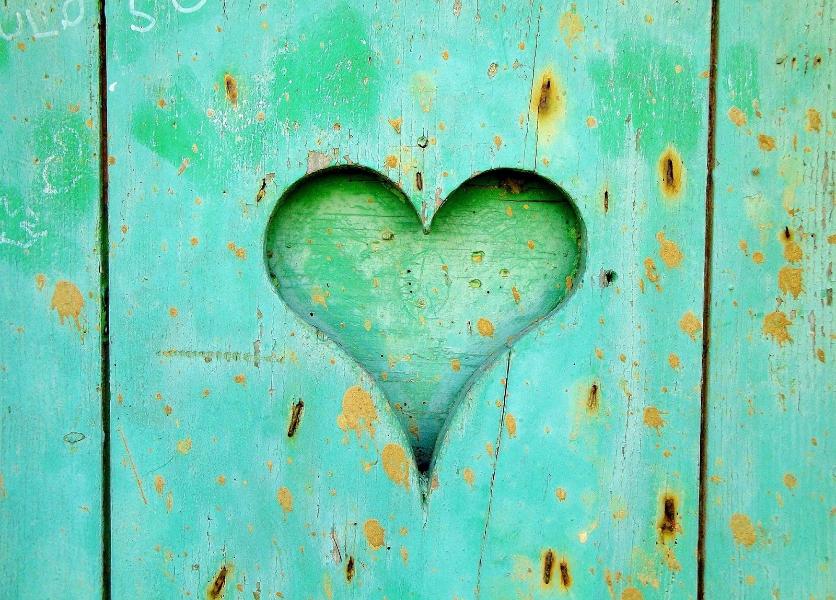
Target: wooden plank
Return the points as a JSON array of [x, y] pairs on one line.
[[50, 361], [770, 493], [569, 466]]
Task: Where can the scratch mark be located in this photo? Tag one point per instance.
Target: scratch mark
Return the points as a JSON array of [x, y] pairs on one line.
[[493, 476], [133, 465]]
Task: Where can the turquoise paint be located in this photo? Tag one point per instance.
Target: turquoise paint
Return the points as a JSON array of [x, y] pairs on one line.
[[50, 403], [522, 432], [770, 487], [572, 453]]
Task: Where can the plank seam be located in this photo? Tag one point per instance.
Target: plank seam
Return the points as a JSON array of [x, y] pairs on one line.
[[706, 309], [104, 302]]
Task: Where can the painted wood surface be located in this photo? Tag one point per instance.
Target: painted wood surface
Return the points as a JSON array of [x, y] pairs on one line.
[[423, 307], [50, 362], [569, 467], [258, 451], [770, 490]]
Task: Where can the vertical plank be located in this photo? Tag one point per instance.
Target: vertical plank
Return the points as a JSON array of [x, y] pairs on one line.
[[50, 362], [570, 465], [770, 492]]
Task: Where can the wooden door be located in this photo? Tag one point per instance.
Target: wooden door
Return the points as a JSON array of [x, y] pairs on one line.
[[397, 300]]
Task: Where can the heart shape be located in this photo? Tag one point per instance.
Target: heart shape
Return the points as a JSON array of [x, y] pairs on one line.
[[423, 309]]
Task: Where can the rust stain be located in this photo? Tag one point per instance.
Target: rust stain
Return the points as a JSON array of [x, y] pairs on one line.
[[239, 252], [737, 116], [593, 400], [792, 251], [671, 254], [396, 124], [690, 324], [349, 569], [295, 417], [775, 325], [571, 27], [653, 418], [742, 530], [184, 446], [766, 143], [359, 412], [790, 281], [674, 361], [468, 476], [548, 104], [631, 593], [651, 273], [231, 87], [68, 302], [285, 499], [396, 464], [391, 161], [40, 281], [671, 173], [790, 481], [217, 587], [456, 365], [565, 575], [668, 523], [668, 527], [813, 120], [375, 534], [320, 296], [548, 567], [159, 484], [485, 327], [511, 425]]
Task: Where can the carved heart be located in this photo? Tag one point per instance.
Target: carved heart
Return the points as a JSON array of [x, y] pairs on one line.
[[422, 309]]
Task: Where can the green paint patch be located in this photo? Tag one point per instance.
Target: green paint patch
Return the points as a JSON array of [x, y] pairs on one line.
[[651, 91], [740, 65], [423, 308], [328, 65], [4, 56], [176, 129]]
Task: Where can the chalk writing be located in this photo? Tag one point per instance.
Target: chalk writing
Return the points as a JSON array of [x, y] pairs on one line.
[[23, 219], [36, 23]]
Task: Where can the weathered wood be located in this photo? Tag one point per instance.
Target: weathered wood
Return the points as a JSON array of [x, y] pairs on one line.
[[569, 466], [770, 493], [50, 362]]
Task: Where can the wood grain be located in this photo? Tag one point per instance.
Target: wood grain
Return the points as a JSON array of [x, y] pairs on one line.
[[50, 361], [569, 467], [770, 493]]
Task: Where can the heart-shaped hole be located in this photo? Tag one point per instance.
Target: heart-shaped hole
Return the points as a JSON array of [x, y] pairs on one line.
[[422, 309]]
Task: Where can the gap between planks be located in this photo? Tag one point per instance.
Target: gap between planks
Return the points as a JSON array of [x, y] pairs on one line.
[[706, 308], [104, 302]]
